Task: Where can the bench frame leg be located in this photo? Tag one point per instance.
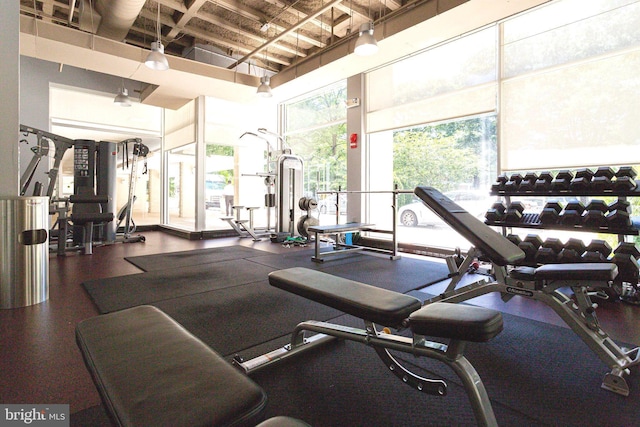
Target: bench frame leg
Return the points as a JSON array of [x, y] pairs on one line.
[[579, 315], [451, 355]]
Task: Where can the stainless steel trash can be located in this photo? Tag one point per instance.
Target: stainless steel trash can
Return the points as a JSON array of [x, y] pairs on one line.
[[24, 251]]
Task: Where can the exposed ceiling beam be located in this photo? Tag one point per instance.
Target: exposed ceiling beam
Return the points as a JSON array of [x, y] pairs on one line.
[[256, 16], [212, 19], [184, 17], [285, 33]]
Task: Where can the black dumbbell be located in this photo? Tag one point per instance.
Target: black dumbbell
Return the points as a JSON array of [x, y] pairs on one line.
[[562, 181], [626, 171], [546, 256], [499, 184], [597, 205], [514, 212], [550, 213], [620, 205], [619, 215], [544, 181], [514, 183], [582, 179], [575, 205], [596, 251], [528, 182], [625, 257], [602, 178], [572, 251], [514, 238], [530, 246], [595, 214], [576, 245], [495, 213], [625, 179], [628, 269], [572, 214], [624, 183], [553, 243], [549, 251], [628, 248]]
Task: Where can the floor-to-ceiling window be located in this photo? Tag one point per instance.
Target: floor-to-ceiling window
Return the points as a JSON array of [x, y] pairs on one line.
[[236, 168], [431, 120], [181, 178], [315, 129], [552, 88], [569, 89]]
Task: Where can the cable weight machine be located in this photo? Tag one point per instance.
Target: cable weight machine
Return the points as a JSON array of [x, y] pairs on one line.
[[284, 187], [139, 150]]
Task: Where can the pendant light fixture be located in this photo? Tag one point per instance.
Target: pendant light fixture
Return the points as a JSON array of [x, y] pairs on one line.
[[264, 90], [156, 59], [122, 98], [366, 44]]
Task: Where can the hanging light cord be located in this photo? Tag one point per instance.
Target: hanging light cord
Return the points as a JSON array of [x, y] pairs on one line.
[[158, 23]]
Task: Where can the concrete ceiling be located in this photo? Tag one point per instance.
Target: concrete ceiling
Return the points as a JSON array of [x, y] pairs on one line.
[[221, 48]]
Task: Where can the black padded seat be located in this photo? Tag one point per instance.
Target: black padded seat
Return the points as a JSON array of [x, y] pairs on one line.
[[87, 211], [86, 207], [599, 271], [150, 371], [380, 306], [523, 273], [456, 321]]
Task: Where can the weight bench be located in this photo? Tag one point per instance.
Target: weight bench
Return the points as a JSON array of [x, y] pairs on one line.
[[335, 229], [240, 225], [150, 371], [542, 284], [376, 306]]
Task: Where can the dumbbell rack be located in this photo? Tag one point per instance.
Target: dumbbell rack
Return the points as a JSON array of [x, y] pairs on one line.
[[626, 261], [593, 185], [532, 220]]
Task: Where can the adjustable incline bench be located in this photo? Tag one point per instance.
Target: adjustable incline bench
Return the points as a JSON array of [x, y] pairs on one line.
[[150, 371], [542, 284], [376, 306]]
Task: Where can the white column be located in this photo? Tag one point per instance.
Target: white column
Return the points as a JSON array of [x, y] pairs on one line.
[[10, 95], [356, 157]]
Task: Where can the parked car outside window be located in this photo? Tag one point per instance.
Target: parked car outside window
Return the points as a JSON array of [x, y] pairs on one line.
[[417, 213]]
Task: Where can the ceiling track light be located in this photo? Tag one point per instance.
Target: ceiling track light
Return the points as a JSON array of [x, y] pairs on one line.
[[122, 98], [156, 60], [366, 44], [264, 90]]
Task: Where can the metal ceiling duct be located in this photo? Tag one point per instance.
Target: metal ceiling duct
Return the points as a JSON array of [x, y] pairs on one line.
[[116, 17]]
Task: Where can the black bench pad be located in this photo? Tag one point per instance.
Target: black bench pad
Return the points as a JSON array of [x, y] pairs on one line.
[[492, 244], [340, 228], [599, 271], [456, 321], [98, 217], [380, 306], [150, 371]]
